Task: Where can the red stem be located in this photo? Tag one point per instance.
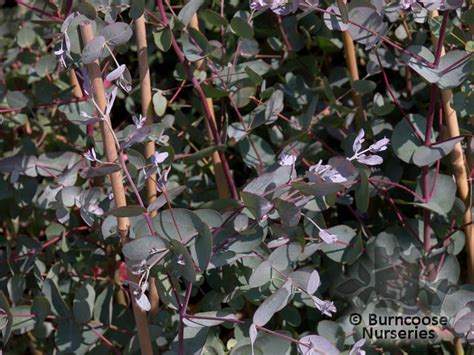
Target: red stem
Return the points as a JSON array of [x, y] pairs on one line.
[[456, 63], [404, 188], [383, 38], [394, 98], [442, 35], [47, 14], [428, 132], [203, 99], [425, 171]]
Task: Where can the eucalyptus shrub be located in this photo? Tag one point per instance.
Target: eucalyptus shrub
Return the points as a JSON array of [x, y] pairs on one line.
[[288, 193]]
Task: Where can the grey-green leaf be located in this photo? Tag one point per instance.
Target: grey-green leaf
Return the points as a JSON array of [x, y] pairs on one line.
[[83, 305], [103, 306], [40, 308], [424, 156], [276, 302], [159, 103], [127, 211], [93, 50], [51, 292], [261, 275], [443, 196], [117, 33], [68, 336], [16, 286], [188, 11], [258, 206], [16, 99]]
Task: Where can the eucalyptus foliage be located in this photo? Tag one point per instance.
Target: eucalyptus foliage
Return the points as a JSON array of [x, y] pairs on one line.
[[332, 214]]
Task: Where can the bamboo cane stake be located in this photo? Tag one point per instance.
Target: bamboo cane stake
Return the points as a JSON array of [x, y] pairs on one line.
[[146, 99], [116, 178], [147, 111], [107, 135], [458, 348], [76, 87], [222, 186], [459, 167], [471, 27], [77, 92], [351, 62]]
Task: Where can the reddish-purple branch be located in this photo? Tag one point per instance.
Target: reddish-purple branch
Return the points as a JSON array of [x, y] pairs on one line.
[[202, 97], [404, 188], [383, 38], [40, 11], [394, 98], [442, 36]]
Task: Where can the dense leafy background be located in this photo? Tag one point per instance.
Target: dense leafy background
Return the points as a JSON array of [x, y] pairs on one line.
[[264, 262]]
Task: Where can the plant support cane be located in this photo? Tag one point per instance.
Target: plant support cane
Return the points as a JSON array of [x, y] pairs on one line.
[[202, 97], [459, 166], [351, 61], [76, 87], [77, 92], [222, 186], [147, 111], [116, 177], [146, 99]]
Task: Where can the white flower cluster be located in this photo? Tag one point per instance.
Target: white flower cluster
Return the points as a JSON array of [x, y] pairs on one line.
[[339, 172], [362, 156], [139, 289], [63, 52], [283, 7]]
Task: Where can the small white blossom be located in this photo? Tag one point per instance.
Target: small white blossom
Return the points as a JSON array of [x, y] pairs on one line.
[[407, 4], [327, 237], [85, 114], [283, 7], [362, 156], [326, 173], [96, 209], [181, 260], [110, 100], [286, 159], [326, 307], [162, 180], [139, 295], [118, 75], [357, 145], [90, 155], [60, 56], [64, 46], [258, 4], [380, 145], [356, 348], [139, 121], [158, 158], [280, 7]]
